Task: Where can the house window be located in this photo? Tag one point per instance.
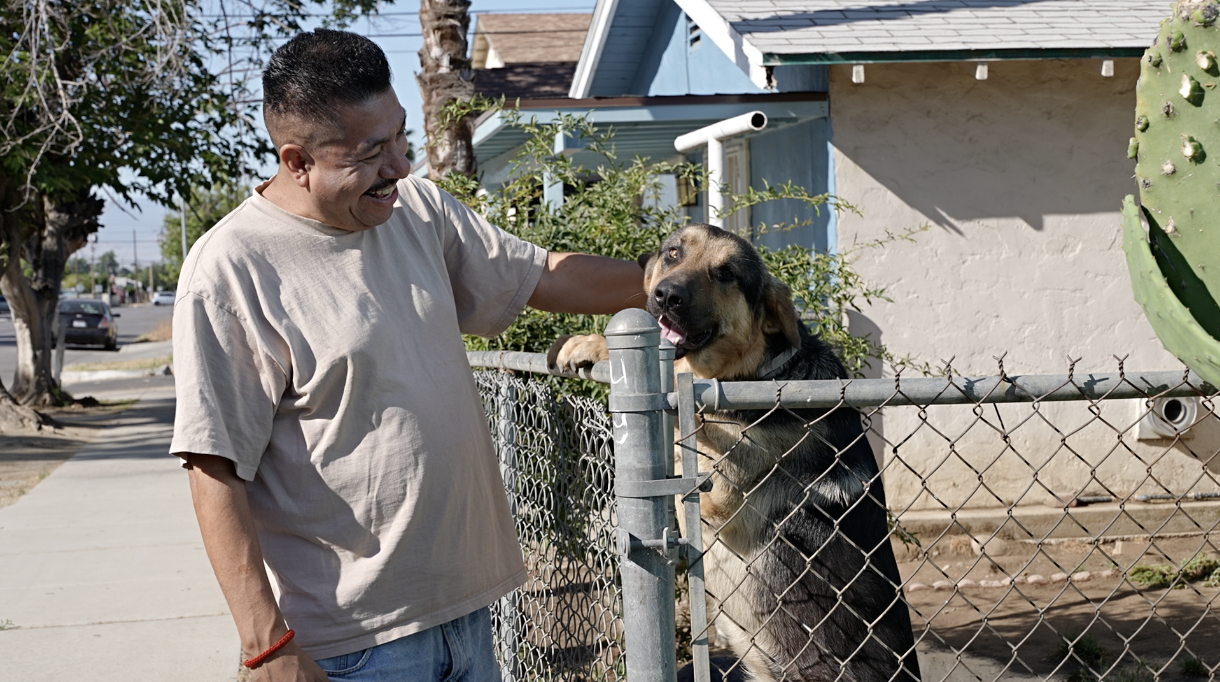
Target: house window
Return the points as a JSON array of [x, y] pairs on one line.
[[688, 192], [737, 177], [694, 35]]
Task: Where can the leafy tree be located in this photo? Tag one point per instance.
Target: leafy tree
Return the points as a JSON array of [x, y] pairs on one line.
[[97, 93], [204, 209], [121, 96], [108, 264]]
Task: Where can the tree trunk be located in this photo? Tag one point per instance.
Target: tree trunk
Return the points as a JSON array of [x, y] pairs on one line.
[[446, 76], [12, 415], [59, 228]]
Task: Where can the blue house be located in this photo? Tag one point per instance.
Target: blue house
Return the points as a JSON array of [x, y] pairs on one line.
[[656, 69], [647, 70]]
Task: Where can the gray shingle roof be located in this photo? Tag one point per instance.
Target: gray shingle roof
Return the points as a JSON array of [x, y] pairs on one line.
[[789, 27]]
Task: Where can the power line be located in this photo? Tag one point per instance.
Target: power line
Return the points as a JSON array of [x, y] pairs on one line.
[[415, 15], [488, 33]]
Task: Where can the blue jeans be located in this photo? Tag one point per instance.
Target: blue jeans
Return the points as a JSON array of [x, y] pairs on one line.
[[457, 651]]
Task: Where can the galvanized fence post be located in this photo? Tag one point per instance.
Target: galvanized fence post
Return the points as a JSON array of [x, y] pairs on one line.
[[510, 613], [644, 543]]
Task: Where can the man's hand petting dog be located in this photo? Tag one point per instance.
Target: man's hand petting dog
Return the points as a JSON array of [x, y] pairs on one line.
[[573, 353]]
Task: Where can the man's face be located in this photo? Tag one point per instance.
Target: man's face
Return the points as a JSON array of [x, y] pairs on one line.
[[352, 182]]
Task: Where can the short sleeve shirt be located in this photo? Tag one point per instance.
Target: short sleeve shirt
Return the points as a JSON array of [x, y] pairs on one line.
[[328, 366]]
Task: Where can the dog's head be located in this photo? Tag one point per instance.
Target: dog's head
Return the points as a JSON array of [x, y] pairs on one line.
[[716, 301]]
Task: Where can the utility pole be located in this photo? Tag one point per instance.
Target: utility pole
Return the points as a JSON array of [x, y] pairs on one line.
[[93, 267], [135, 269], [182, 203]]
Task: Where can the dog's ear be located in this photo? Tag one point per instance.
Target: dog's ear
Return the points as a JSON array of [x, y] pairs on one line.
[[780, 313], [646, 260]]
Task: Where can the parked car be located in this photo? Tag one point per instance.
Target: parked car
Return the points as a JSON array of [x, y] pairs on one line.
[[4, 309], [165, 297], [89, 322]]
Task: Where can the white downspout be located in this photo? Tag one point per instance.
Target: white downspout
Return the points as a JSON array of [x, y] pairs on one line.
[[714, 136]]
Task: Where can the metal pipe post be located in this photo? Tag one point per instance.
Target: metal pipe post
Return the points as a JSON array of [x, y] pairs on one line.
[[510, 611], [647, 573], [715, 180]]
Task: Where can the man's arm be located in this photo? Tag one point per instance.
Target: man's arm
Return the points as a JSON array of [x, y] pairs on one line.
[[596, 285], [223, 511]]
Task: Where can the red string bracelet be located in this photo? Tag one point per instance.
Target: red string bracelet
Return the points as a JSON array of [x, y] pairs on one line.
[[262, 658]]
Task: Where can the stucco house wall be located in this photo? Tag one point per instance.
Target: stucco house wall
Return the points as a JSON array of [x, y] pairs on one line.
[[1019, 179]]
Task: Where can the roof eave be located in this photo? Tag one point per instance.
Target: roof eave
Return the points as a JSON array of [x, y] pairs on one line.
[[893, 57], [732, 43], [591, 53]]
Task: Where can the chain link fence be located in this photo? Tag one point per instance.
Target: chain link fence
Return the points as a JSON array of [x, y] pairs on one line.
[[1030, 527], [556, 459]]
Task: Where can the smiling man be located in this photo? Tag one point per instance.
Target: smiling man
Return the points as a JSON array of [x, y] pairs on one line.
[[326, 411]]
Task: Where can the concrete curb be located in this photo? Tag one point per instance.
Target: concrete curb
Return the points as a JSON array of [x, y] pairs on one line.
[[107, 374]]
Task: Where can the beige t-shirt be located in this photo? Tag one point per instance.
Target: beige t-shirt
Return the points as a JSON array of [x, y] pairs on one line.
[[329, 366]]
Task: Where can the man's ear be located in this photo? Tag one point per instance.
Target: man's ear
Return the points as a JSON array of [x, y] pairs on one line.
[[298, 162], [780, 313]]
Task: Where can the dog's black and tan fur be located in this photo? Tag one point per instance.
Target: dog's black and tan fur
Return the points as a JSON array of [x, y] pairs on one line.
[[796, 596]]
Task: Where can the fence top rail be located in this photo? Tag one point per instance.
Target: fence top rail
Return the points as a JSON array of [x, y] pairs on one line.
[[534, 363], [957, 390]]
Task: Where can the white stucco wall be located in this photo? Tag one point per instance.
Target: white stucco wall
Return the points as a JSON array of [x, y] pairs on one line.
[[1020, 180]]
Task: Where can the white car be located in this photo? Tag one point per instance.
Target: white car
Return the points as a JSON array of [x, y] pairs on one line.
[[164, 297]]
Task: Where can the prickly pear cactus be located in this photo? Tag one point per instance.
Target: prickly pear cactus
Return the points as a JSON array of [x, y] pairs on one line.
[[1175, 266]]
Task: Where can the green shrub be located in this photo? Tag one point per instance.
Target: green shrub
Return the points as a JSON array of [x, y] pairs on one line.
[[1194, 667], [1080, 648], [1213, 580], [1152, 577], [1200, 567]]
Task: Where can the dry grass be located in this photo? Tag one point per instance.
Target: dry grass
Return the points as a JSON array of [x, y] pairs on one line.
[[146, 363], [162, 332]]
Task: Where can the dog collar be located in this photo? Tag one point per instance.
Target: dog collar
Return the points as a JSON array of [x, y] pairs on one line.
[[776, 363]]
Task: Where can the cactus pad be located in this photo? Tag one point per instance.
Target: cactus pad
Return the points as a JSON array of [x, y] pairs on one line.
[[1177, 151], [1172, 322]]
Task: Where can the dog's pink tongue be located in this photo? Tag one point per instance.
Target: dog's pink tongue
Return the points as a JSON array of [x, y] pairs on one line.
[[671, 334]]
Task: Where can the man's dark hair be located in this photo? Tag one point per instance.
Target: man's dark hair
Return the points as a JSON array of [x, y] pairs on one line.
[[311, 76]]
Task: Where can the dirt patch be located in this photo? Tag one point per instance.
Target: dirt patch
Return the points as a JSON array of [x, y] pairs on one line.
[[26, 458], [1122, 624]]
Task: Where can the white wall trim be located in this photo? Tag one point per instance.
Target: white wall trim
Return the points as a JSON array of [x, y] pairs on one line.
[[591, 53], [747, 57]]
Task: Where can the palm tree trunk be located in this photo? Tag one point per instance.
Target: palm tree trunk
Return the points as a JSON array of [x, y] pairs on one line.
[[446, 76]]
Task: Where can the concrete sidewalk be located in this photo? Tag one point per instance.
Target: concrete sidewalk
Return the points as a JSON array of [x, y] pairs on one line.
[[103, 575]]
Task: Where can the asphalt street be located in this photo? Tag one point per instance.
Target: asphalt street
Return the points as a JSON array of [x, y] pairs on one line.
[[133, 322]]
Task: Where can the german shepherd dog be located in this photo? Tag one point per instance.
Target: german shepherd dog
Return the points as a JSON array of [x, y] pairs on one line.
[[797, 554]]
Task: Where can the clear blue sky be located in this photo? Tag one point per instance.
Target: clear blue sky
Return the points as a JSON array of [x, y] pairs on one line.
[[121, 224]]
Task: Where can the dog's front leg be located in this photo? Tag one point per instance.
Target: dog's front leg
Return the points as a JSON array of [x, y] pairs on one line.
[[573, 353]]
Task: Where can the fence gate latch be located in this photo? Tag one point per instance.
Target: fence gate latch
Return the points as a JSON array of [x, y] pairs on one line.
[[664, 487], [639, 402], [668, 543]]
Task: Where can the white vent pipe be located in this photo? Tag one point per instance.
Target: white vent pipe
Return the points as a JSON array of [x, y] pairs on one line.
[[714, 136]]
